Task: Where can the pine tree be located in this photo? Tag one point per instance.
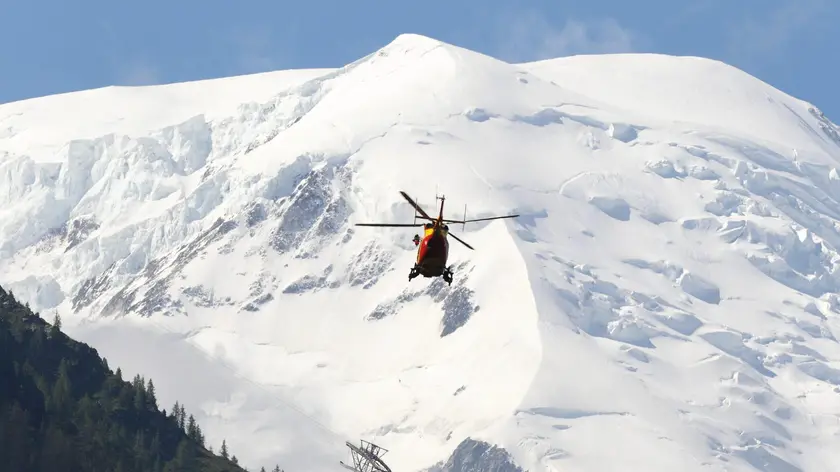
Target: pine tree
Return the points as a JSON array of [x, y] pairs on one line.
[[154, 447], [55, 329], [36, 346], [176, 408], [192, 433], [262, 469], [138, 383], [151, 399], [125, 397], [182, 418], [184, 456], [199, 436], [56, 451], [62, 392], [16, 435], [139, 446], [139, 393], [234, 459], [224, 450], [277, 469]]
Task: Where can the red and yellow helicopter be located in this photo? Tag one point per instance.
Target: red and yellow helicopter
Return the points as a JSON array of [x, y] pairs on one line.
[[433, 247]]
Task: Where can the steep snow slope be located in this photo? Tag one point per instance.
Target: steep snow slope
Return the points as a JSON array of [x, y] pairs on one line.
[[668, 298], [683, 92], [39, 127]]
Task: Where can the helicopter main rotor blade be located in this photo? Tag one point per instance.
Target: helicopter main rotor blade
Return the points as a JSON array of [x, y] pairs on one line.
[[391, 225], [416, 206], [481, 219], [461, 241]]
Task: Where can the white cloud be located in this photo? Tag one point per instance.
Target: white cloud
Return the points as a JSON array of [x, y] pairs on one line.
[[528, 36]]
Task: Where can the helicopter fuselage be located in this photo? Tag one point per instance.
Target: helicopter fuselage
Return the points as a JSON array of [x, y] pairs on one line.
[[433, 251]]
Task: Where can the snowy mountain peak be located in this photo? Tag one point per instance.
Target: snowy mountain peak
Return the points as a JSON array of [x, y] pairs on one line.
[[413, 41], [696, 91], [671, 288]]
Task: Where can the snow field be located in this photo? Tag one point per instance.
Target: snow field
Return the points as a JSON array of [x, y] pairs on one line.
[[667, 298]]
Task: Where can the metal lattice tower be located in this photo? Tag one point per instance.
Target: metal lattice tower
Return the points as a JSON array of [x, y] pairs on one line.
[[367, 458]]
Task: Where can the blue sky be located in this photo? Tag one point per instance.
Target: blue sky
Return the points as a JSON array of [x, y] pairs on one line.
[[53, 46]]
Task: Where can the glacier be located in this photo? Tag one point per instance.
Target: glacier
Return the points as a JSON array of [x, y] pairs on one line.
[[668, 298]]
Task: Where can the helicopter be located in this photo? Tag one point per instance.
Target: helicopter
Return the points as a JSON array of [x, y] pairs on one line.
[[433, 247]]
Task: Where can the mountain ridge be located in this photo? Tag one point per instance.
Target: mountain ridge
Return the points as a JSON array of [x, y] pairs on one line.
[[63, 407], [690, 269]]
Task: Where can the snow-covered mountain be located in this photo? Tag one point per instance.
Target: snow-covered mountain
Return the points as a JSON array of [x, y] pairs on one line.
[[667, 300]]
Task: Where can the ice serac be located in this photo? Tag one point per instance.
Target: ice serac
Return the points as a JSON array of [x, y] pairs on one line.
[[666, 300]]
